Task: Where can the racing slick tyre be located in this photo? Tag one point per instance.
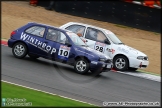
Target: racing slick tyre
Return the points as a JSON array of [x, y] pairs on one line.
[[81, 66], [33, 56], [132, 69], [120, 63], [19, 50]]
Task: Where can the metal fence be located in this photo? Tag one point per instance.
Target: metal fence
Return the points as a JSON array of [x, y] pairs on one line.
[[117, 12]]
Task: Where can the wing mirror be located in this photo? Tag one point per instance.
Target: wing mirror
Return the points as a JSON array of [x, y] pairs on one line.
[[107, 41], [84, 40], [68, 44]]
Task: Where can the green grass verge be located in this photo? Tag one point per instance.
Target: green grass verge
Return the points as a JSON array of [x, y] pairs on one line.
[[152, 73], [4, 39], [38, 98], [122, 26]]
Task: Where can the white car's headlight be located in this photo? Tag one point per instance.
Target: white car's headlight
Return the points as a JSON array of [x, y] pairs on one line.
[[142, 58]]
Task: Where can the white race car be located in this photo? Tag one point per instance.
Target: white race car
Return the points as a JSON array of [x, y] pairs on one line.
[[124, 57]]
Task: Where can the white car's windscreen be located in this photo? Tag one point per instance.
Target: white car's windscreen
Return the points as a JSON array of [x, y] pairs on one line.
[[113, 37]]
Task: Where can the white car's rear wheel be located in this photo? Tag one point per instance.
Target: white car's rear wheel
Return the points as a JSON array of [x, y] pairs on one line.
[[120, 63]]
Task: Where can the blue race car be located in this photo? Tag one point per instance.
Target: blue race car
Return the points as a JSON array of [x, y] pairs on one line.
[[41, 40]]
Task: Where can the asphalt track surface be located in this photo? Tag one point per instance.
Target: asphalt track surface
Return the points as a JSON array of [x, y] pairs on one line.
[[61, 79]]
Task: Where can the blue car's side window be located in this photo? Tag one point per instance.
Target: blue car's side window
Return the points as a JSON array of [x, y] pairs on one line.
[[36, 30], [56, 36], [62, 38], [52, 35]]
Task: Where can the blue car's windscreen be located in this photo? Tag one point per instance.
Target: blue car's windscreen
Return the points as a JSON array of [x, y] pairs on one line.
[[76, 39]]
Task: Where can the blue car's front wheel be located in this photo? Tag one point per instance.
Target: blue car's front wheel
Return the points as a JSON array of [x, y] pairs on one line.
[[81, 66]]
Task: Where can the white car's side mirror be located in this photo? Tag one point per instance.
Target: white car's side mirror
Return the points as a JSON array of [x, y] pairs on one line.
[[107, 41]]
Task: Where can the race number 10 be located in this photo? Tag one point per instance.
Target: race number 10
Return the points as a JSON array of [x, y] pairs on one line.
[[63, 52]]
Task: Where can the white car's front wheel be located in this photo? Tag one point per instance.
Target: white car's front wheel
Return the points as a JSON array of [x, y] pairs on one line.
[[120, 63]]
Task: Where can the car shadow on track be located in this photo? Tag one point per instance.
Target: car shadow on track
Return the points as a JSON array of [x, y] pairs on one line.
[[58, 65]]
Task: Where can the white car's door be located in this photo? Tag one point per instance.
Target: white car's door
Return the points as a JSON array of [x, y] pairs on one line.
[[96, 40]]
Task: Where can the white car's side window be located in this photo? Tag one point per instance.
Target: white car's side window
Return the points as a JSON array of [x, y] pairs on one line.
[[76, 29], [91, 34], [100, 36], [95, 35]]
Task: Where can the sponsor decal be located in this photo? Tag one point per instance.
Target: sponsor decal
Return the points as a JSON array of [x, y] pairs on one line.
[[123, 50], [85, 52], [111, 50], [37, 43]]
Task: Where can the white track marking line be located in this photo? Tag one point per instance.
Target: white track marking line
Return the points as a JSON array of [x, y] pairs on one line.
[[4, 45], [143, 75]]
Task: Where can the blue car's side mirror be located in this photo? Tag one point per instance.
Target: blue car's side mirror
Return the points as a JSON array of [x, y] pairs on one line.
[[68, 44]]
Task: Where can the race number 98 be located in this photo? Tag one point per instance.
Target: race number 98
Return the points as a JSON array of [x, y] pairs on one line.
[[99, 48]]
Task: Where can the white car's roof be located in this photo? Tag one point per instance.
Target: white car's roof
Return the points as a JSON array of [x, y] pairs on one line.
[[87, 25]]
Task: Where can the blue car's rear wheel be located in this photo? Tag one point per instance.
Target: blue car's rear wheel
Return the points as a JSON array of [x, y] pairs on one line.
[[19, 50], [81, 66]]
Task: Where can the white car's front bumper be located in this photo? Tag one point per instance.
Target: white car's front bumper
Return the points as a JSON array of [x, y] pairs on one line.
[[136, 63]]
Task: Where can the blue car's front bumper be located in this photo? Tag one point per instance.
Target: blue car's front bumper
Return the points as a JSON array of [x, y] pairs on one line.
[[100, 66]]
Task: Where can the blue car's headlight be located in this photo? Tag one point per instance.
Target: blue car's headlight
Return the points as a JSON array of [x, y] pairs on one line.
[[102, 59]]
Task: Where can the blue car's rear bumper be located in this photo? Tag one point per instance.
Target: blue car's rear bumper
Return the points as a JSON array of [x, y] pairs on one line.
[[11, 42]]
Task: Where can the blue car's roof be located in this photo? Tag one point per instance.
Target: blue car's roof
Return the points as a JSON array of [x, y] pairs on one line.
[[63, 30]]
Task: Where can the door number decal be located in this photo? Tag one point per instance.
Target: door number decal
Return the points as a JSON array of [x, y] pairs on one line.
[[99, 47], [63, 52]]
